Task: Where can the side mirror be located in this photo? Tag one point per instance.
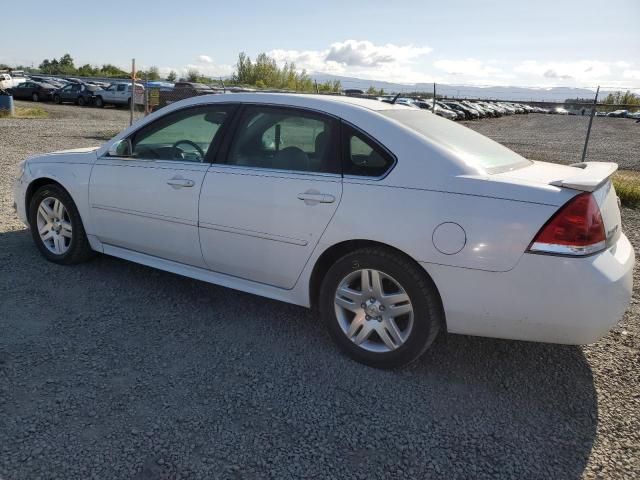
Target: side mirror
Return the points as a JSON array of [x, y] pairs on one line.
[[121, 148]]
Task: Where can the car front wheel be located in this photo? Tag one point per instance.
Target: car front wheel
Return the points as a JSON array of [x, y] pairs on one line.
[[56, 226], [99, 102], [380, 307], [35, 97], [81, 101]]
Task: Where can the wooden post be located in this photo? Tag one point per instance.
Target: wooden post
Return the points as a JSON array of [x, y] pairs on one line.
[[434, 98], [133, 89]]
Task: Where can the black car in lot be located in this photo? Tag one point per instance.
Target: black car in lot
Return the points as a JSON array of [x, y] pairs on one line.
[[79, 93], [35, 91]]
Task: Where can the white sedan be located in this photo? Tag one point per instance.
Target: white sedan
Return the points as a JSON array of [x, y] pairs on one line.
[[392, 222]]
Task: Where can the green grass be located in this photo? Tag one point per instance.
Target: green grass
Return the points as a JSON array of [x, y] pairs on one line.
[[25, 112], [627, 185]]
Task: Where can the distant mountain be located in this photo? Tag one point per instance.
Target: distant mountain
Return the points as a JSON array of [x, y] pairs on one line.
[[554, 94]]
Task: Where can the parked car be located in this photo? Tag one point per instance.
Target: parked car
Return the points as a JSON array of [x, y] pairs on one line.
[[35, 91], [10, 79], [457, 115], [249, 192], [78, 93], [116, 94], [55, 82], [477, 108], [182, 90], [468, 113], [618, 113], [559, 111]]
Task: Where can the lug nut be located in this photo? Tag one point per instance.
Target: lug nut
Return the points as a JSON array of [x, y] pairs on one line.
[[382, 308]]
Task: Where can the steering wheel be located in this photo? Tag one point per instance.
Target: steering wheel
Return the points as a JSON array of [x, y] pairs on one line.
[[193, 144]]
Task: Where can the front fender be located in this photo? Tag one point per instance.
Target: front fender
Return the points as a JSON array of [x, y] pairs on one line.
[[72, 176]]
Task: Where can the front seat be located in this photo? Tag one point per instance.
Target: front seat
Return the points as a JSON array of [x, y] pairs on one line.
[[292, 158]]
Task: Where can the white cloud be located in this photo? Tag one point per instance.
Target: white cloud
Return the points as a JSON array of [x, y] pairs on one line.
[[360, 58], [631, 74], [583, 70], [468, 67], [365, 54], [204, 64]]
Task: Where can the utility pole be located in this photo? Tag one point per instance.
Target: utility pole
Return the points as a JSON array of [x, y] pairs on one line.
[[593, 112], [133, 89], [433, 109]]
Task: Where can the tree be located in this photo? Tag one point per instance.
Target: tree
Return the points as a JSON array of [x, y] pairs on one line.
[[88, 71], [108, 70], [193, 75], [172, 76], [265, 73], [619, 98], [153, 73]]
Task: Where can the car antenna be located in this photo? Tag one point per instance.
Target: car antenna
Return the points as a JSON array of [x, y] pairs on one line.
[[396, 97]]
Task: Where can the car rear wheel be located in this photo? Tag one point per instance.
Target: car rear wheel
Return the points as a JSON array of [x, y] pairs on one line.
[[380, 307], [56, 226], [81, 101], [56, 99], [35, 97], [99, 102]]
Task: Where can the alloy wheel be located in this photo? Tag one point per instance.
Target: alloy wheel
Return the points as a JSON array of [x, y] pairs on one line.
[[373, 310], [54, 226]]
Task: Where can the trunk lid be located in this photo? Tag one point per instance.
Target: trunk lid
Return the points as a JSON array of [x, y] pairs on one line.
[[593, 177]]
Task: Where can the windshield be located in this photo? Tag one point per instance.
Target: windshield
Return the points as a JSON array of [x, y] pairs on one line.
[[473, 148]]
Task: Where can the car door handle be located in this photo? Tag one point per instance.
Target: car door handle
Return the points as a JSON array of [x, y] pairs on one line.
[[177, 182], [311, 198]]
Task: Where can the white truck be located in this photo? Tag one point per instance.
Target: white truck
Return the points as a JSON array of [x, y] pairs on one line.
[[119, 94], [11, 79]]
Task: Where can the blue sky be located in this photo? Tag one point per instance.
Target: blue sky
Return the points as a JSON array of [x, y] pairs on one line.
[[499, 42]]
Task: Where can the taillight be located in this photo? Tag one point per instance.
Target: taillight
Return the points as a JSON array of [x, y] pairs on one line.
[[576, 229]]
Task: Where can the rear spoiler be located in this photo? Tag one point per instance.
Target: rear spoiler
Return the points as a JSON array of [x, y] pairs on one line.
[[592, 176]]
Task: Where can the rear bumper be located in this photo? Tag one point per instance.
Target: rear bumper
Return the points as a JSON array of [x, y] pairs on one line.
[[543, 298]]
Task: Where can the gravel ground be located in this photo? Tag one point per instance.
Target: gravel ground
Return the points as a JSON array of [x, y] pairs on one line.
[[560, 138], [114, 370]]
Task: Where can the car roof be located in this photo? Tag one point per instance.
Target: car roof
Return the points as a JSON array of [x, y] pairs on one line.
[[320, 102]]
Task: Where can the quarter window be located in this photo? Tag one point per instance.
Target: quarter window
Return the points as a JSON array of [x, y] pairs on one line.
[[363, 156], [285, 139], [185, 135]]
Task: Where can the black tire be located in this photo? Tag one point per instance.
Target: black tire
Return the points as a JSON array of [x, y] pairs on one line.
[[99, 102], [35, 97], [424, 298], [81, 101], [56, 99], [79, 249]]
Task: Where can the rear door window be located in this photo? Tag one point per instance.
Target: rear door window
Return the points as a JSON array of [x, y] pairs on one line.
[[362, 156], [285, 139]]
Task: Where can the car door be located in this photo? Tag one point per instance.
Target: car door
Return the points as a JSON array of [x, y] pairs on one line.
[[264, 207], [121, 93], [145, 196], [22, 90], [65, 93]]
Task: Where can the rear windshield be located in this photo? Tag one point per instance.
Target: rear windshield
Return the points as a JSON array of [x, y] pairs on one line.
[[473, 148]]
